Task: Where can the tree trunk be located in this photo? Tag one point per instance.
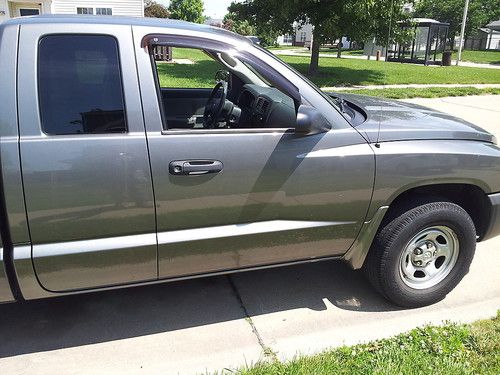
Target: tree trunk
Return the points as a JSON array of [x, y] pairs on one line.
[[339, 49], [316, 43]]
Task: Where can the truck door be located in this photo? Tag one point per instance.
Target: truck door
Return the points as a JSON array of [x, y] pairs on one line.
[[84, 159], [236, 197]]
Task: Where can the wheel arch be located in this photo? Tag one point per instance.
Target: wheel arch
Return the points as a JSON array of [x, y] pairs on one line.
[[471, 197]]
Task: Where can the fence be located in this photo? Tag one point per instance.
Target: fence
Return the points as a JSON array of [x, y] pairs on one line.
[[162, 53]]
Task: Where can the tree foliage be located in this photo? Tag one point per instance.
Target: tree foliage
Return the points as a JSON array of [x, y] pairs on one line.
[[187, 10], [332, 19], [153, 9], [481, 12], [243, 27], [237, 24]]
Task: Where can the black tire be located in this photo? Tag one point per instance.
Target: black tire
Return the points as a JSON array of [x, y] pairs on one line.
[[382, 266]]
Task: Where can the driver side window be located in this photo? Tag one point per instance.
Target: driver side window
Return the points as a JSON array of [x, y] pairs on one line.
[[200, 89], [185, 78]]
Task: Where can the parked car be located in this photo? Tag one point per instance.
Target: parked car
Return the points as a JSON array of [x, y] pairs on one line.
[[109, 179]]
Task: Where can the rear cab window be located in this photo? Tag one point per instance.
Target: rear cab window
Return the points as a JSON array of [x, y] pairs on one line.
[[80, 85]]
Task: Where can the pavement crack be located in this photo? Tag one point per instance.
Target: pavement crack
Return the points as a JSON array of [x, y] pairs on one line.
[[266, 350]]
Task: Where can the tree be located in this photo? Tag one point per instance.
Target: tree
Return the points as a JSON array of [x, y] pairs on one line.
[[235, 23], [187, 10], [242, 27], [153, 9], [331, 19], [481, 12]]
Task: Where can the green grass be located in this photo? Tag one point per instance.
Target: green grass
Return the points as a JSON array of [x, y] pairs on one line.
[[200, 74], [431, 92], [343, 72], [450, 349], [275, 48], [481, 57], [349, 72], [350, 52]]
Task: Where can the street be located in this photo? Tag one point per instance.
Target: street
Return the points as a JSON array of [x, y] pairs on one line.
[[232, 321]]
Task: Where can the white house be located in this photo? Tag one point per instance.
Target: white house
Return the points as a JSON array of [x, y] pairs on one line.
[[482, 39], [17, 8], [303, 35]]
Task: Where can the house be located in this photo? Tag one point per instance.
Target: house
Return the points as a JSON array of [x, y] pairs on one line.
[[17, 8], [303, 35], [483, 39]]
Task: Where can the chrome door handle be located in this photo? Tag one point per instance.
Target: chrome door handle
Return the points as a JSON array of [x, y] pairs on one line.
[[194, 167]]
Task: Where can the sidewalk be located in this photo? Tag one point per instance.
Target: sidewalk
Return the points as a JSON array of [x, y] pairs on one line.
[[412, 85], [483, 111]]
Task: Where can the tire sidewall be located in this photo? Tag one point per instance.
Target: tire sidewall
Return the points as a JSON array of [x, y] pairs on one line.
[[412, 223]]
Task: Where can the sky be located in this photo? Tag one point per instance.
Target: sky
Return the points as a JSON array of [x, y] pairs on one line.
[[213, 8]]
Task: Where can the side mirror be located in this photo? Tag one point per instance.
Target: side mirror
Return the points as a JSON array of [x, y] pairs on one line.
[[311, 121]]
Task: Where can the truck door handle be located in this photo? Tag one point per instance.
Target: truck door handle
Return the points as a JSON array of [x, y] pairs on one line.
[[194, 167]]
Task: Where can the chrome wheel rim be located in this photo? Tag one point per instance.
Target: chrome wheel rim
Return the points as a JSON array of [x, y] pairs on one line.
[[429, 257]]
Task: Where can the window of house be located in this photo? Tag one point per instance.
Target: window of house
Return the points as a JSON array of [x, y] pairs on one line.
[[80, 85], [287, 38], [302, 36], [104, 11], [84, 10]]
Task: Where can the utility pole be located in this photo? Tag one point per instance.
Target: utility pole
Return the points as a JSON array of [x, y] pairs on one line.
[[388, 33], [462, 32]]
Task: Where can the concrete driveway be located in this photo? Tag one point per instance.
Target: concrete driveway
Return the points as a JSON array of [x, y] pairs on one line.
[[229, 321]]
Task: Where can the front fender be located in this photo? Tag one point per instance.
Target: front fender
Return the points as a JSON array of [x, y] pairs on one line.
[[404, 165]]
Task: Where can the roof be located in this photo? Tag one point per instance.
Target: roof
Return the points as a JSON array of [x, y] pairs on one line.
[[427, 21], [495, 25], [487, 31], [122, 20]]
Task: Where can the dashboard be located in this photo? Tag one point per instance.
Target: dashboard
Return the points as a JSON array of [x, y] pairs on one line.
[[265, 107]]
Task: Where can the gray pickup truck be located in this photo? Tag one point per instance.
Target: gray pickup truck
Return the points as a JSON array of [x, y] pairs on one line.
[[121, 169]]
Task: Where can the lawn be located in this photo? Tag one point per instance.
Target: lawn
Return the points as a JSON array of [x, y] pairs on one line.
[[278, 48], [481, 57], [181, 75], [342, 72], [450, 349], [349, 72], [350, 52]]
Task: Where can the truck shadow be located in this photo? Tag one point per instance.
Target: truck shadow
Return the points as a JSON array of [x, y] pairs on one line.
[[71, 321]]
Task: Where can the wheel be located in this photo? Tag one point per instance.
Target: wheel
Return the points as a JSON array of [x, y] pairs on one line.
[[420, 255]]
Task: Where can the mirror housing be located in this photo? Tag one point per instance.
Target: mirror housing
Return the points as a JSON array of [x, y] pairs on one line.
[[311, 121]]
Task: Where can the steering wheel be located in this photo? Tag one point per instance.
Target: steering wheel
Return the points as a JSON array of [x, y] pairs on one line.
[[214, 106]]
